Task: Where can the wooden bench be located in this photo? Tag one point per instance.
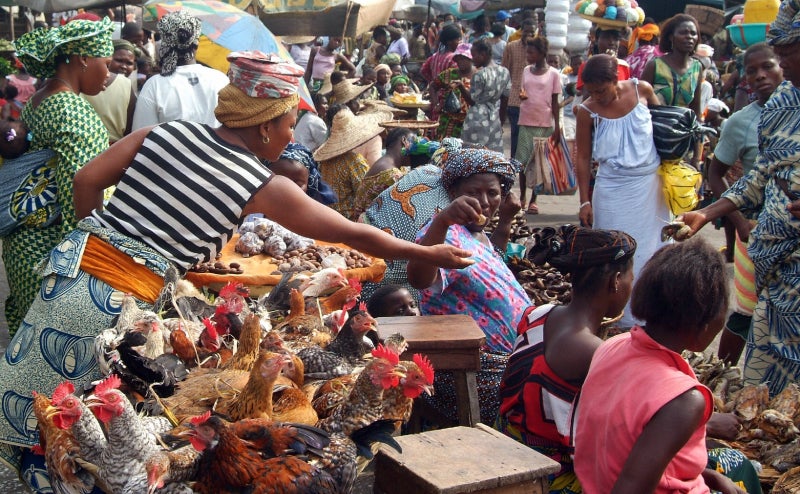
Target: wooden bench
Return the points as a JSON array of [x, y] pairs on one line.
[[461, 460], [452, 343]]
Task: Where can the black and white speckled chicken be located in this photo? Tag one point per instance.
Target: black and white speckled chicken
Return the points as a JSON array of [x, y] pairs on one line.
[[140, 372], [344, 352]]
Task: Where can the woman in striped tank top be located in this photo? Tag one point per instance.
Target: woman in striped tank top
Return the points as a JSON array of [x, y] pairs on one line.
[[182, 188]]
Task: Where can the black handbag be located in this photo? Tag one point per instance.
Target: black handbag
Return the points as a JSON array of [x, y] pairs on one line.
[[452, 104], [675, 130]]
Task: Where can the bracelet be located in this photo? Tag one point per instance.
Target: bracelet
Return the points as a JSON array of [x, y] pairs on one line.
[[587, 203]]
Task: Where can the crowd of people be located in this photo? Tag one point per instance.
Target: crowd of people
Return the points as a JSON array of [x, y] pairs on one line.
[[142, 132]]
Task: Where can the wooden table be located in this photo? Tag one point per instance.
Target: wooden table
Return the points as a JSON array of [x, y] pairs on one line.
[[452, 343]]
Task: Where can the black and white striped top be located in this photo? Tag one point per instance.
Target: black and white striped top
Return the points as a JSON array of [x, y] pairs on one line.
[[184, 192]]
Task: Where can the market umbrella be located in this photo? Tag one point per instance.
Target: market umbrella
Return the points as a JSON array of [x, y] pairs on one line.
[[224, 29]]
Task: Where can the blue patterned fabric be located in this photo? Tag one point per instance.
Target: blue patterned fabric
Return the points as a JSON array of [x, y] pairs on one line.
[[56, 338], [773, 348]]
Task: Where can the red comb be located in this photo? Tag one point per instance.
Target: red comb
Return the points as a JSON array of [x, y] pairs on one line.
[[111, 382], [210, 327], [62, 391], [425, 365], [355, 284], [386, 353], [228, 290], [362, 306], [200, 418]]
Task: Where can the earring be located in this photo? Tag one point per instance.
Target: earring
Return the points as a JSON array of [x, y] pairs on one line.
[[265, 139]]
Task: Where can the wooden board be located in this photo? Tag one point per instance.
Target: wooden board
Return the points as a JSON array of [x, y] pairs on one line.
[[461, 460], [259, 270], [451, 342]]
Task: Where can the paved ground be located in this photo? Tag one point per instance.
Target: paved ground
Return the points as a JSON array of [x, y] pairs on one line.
[[554, 210]]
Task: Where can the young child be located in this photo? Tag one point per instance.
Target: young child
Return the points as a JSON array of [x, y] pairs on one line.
[[392, 300], [14, 139]]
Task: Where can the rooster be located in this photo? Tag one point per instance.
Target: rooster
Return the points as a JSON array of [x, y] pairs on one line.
[[70, 413], [363, 405], [230, 464], [232, 309], [59, 448], [129, 443], [193, 354], [344, 298], [399, 401]]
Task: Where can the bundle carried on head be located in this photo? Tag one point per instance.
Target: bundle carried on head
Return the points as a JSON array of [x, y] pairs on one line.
[[785, 30]]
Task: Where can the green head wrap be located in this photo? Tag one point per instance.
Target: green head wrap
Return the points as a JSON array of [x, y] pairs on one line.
[[399, 79], [38, 49]]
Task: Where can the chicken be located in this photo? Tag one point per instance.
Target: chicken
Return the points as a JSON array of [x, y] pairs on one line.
[[399, 401], [346, 350], [189, 303], [332, 393], [166, 468], [344, 298], [249, 341], [277, 301], [59, 448], [193, 355], [323, 282], [150, 326], [300, 330], [255, 399], [363, 405], [70, 413], [232, 309], [129, 444], [229, 464], [106, 341], [292, 405], [139, 372]]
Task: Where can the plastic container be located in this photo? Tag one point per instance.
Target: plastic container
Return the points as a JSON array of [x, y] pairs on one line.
[[760, 11], [744, 35]]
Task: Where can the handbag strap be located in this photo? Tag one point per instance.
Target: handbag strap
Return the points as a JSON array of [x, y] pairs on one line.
[[596, 120]]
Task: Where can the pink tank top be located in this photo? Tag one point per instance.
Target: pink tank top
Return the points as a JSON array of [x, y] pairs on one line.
[[323, 64], [631, 377]]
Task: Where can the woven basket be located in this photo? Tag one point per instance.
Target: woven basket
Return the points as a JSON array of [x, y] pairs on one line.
[[410, 124], [708, 18], [789, 483]]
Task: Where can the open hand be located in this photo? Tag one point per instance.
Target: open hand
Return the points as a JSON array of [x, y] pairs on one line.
[[449, 257]]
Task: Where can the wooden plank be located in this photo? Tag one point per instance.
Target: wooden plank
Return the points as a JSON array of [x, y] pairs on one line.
[[467, 460]]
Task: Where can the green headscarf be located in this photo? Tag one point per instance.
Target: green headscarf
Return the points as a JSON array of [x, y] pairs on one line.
[[38, 49], [399, 79]]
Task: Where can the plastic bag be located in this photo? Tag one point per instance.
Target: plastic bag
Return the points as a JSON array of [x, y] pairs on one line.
[[681, 183], [452, 104]]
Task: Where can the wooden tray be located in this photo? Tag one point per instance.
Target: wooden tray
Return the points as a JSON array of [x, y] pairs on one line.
[[424, 105], [607, 23], [410, 124], [259, 269]]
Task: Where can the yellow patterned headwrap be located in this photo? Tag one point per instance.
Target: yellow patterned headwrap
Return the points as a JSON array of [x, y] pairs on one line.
[[39, 48]]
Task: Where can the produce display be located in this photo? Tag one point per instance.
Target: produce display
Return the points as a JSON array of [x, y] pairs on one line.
[[316, 257], [263, 236], [770, 431], [622, 11]]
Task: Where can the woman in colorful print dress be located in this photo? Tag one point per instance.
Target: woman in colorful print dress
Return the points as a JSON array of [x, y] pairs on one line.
[[479, 183], [490, 86]]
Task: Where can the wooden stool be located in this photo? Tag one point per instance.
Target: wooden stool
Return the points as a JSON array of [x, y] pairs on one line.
[[462, 460], [452, 343]]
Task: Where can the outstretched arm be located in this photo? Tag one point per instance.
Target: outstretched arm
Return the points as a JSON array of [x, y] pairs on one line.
[[283, 201]]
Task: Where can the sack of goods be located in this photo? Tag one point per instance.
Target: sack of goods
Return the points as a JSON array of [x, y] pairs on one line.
[[675, 130], [681, 184]]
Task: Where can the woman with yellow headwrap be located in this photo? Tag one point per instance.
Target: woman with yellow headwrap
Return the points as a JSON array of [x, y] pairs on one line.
[[181, 190], [73, 58]]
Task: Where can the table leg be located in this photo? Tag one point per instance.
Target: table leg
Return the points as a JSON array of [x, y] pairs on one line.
[[469, 412]]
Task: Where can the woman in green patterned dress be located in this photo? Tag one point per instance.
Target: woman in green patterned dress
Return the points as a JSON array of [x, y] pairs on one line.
[[73, 58], [450, 124]]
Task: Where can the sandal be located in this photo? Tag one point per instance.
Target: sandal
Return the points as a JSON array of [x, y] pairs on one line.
[[532, 209]]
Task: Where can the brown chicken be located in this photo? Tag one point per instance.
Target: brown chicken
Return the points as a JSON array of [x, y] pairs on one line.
[[229, 464], [300, 329], [193, 355], [344, 298], [332, 393], [60, 450], [249, 341], [363, 405], [168, 467], [291, 404], [236, 393], [399, 400]]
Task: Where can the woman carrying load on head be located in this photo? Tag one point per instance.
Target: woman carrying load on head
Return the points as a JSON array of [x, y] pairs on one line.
[[154, 223], [73, 58]]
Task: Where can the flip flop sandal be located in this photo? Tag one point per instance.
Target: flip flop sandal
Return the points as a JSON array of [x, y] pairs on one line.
[[532, 209]]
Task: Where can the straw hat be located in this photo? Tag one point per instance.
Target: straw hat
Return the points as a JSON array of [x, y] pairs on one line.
[[380, 106], [297, 40], [346, 91], [327, 86], [349, 131]]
